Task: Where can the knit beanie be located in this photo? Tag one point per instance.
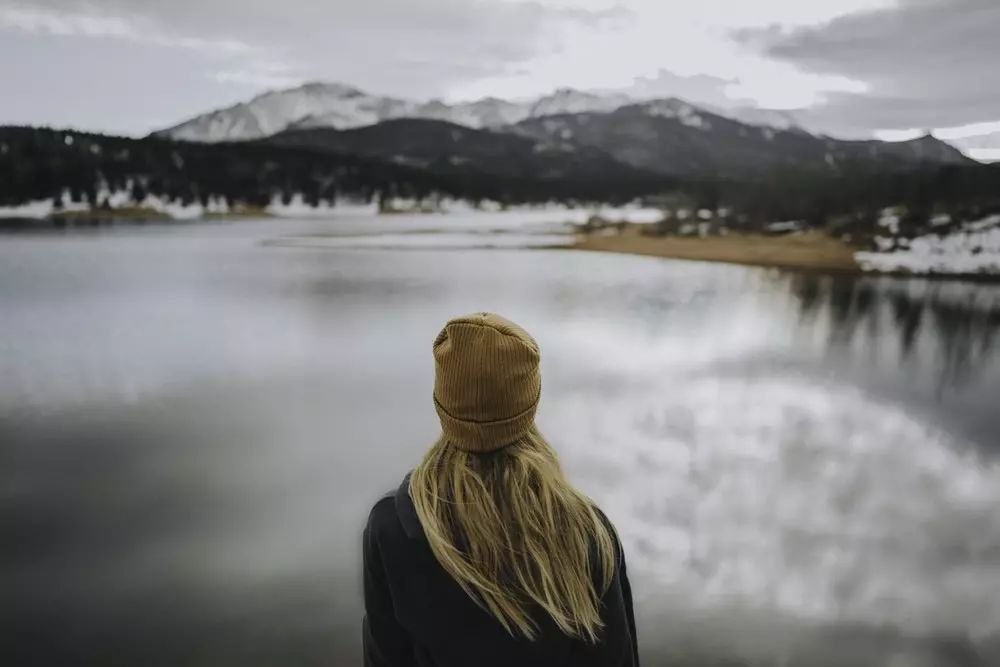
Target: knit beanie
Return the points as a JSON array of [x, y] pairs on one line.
[[486, 381]]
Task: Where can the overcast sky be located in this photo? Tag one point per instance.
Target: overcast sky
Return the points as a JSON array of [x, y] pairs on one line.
[[891, 68]]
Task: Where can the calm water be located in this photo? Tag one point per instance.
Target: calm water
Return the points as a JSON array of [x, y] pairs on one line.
[[194, 421]]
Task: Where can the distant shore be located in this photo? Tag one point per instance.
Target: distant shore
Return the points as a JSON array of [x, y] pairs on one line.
[[807, 250], [126, 215]]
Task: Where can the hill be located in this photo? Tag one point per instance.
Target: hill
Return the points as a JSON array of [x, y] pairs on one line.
[[445, 147], [673, 137]]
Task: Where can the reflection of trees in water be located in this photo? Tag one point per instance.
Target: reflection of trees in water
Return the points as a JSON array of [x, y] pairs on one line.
[[959, 321], [908, 315], [968, 335]]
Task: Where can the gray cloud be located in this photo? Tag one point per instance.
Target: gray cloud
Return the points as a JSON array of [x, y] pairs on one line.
[[135, 65], [225, 50], [928, 63], [702, 89], [409, 48]]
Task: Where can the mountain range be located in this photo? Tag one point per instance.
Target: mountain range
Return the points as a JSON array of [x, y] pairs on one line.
[[340, 106], [569, 133]]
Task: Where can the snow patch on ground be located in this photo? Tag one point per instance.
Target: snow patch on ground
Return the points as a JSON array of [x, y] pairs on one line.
[[973, 251], [785, 226], [38, 208], [41, 208], [173, 209], [297, 207], [889, 221]]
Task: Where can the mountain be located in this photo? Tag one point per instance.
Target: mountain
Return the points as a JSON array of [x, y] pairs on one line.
[[668, 136], [487, 112], [568, 100], [339, 105], [444, 147], [343, 107], [927, 148], [673, 137], [774, 118]]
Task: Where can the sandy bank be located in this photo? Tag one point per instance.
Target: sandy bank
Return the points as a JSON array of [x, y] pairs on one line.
[[809, 250]]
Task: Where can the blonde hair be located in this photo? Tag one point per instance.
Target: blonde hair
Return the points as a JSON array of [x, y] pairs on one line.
[[513, 532]]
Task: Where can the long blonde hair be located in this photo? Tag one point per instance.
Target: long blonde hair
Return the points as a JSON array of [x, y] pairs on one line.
[[513, 532]]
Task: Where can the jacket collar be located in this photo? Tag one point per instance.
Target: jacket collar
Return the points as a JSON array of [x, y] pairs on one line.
[[407, 513]]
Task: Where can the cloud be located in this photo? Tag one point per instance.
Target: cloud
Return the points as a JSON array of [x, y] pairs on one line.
[[984, 146], [275, 75], [688, 39], [847, 68], [977, 140], [42, 21], [927, 63], [970, 131], [45, 21], [88, 21], [408, 48], [699, 88]]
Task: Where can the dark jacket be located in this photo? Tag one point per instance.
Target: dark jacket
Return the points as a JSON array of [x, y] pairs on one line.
[[417, 615]]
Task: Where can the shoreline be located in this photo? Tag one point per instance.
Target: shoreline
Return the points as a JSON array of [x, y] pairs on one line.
[[86, 219], [808, 250]]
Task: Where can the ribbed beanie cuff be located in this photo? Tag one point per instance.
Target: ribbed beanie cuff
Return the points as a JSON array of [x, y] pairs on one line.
[[482, 437]]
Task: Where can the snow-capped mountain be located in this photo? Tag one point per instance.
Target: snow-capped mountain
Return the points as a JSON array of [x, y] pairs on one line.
[[568, 100], [334, 105], [313, 104], [774, 118], [487, 112], [671, 136], [484, 113], [664, 135]]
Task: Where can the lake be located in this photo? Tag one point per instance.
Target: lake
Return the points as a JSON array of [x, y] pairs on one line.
[[195, 419]]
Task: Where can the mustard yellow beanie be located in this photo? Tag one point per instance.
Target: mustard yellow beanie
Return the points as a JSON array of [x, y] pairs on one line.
[[486, 381]]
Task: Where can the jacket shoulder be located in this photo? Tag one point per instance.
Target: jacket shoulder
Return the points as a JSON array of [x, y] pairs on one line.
[[383, 518]]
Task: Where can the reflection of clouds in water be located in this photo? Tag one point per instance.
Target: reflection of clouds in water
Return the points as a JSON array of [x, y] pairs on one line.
[[796, 497], [682, 326], [207, 419]]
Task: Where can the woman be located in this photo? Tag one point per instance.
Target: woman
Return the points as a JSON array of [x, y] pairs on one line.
[[485, 555]]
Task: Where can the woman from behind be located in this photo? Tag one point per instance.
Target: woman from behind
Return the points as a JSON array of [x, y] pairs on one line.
[[485, 554]]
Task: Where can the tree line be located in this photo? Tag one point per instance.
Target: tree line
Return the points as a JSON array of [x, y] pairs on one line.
[[42, 163]]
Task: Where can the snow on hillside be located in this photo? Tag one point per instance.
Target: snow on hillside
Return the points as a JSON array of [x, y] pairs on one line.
[[314, 104], [567, 100], [562, 216], [484, 113], [774, 118], [341, 106], [40, 208], [974, 250], [679, 109]]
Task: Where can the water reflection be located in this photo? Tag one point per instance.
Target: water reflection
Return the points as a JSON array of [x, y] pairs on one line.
[[193, 424], [959, 322]]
